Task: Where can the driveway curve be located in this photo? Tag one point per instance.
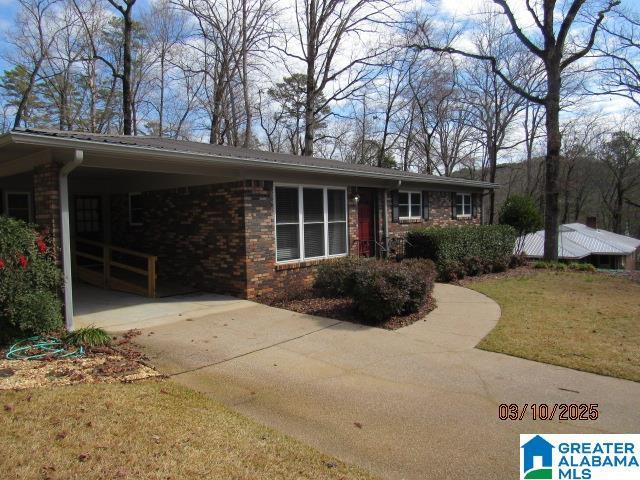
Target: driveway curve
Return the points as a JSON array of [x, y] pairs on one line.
[[417, 403]]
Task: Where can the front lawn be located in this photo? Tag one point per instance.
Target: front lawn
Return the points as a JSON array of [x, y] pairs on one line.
[[585, 321], [147, 430]]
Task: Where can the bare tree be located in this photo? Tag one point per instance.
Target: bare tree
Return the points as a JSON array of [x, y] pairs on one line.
[[165, 28], [125, 7], [33, 36], [494, 104], [619, 57], [563, 35], [620, 155], [323, 28]]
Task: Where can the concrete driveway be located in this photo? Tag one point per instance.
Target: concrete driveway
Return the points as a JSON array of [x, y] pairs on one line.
[[417, 403]]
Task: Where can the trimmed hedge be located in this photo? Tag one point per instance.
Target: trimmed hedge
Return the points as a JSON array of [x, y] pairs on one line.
[[575, 266], [380, 289], [466, 250], [30, 281]]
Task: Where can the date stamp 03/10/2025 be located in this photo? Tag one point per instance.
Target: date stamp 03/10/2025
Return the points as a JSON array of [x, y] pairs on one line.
[[545, 411]]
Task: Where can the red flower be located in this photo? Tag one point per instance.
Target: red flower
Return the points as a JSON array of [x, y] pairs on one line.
[[22, 260], [2, 264], [42, 247]]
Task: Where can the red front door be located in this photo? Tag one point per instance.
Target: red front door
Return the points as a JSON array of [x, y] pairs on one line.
[[365, 224]]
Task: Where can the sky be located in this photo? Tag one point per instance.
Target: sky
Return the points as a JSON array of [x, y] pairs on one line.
[[463, 10]]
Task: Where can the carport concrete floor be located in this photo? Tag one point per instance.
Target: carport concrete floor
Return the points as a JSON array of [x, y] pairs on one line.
[[417, 403]]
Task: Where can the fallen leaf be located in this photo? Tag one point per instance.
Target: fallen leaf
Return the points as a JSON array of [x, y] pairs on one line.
[[8, 408], [83, 457], [357, 424], [61, 435]]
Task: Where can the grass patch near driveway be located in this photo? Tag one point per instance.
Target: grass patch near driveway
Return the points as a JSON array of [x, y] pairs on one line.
[[147, 430], [584, 321]]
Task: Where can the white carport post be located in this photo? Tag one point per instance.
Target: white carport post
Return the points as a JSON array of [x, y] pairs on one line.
[[66, 169]]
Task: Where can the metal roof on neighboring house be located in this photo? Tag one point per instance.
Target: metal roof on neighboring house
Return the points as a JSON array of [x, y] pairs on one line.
[[576, 241], [181, 149]]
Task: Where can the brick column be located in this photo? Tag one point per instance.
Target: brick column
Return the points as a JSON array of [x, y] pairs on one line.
[[46, 192], [260, 238]]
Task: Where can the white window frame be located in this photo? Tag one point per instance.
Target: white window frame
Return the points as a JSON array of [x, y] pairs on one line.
[[409, 205], [131, 222], [301, 222], [7, 193], [464, 215]]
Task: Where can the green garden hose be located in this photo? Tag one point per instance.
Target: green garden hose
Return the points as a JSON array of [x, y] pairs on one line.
[[38, 348]]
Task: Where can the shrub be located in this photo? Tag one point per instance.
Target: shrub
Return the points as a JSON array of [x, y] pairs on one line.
[[379, 288], [383, 289], [335, 278], [30, 281], [582, 267], [88, 337], [521, 213], [460, 251]]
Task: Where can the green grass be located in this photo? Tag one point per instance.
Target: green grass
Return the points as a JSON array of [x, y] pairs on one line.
[[147, 430], [584, 321]]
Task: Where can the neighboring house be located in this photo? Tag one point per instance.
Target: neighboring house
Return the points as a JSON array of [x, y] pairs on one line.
[[215, 218], [578, 242]]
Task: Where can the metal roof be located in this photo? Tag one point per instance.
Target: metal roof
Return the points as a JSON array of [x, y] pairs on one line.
[[181, 149], [576, 241]]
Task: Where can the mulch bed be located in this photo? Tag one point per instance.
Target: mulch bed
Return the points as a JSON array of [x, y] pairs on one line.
[[121, 362], [344, 309]]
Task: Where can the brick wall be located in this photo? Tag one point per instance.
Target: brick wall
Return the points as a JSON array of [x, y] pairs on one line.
[[439, 214], [46, 199], [221, 238], [196, 232], [264, 277]]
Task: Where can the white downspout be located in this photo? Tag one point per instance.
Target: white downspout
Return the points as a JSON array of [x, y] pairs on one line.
[[66, 169]]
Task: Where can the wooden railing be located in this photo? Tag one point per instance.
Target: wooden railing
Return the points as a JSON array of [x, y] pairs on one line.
[[131, 271]]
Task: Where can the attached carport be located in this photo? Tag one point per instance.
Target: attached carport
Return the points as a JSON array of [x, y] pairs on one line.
[[53, 172]]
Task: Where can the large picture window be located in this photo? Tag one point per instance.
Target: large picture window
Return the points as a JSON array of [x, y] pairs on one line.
[[463, 205], [311, 222], [409, 205]]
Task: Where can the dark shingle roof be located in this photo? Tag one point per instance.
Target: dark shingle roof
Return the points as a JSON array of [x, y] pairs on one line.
[[221, 151]]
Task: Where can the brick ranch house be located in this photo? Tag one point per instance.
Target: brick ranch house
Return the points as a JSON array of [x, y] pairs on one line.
[[213, 218]]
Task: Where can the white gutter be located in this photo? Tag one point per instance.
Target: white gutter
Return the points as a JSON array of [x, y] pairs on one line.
[[231, 160], [65, 233]]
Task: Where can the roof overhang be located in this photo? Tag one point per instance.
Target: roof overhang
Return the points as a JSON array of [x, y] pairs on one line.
[[144, 156]]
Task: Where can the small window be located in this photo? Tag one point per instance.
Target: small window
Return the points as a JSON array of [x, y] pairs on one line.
[[135, 209], [463, 205], [409, 205], [88, 215], [18, 205]]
